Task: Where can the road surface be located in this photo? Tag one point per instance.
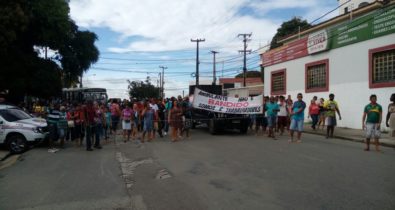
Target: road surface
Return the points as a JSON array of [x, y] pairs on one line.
[[226, 171]]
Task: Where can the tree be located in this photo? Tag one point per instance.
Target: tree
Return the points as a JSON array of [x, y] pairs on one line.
[[287, 28], [78, 55], [142, 89], [26, 26], [250, 74]]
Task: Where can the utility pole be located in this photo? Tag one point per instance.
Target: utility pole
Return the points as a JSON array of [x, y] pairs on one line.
[[245, 55], [214, 64], [159, 83], [197, 59], [163, 81]]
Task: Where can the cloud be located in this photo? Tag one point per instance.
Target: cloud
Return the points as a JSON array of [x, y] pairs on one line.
[[171, 25], [265, 6], [167, 26]]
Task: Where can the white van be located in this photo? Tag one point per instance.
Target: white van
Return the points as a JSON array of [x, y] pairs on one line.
[[18, 129]]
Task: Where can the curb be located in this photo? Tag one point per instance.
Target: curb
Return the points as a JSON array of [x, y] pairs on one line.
[[9, 161], [351, 139]]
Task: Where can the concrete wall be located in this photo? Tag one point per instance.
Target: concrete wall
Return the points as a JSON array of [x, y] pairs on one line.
[[348, 79]]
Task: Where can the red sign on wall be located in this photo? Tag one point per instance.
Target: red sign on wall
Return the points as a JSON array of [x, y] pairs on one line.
[[286, 52]]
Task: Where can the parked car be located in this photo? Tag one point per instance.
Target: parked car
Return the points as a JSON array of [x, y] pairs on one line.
[[18, 129]]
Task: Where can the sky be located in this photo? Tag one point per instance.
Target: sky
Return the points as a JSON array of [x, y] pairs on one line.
[[136, 37]]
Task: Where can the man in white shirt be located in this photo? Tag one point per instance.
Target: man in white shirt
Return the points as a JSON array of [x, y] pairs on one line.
[[282, 115], [154, 107]]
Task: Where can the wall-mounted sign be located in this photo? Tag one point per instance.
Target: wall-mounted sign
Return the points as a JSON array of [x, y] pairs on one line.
[[381, 22], [290, 51], [317, 42]]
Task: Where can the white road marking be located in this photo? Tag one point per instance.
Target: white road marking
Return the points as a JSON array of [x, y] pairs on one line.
[[138, 203]]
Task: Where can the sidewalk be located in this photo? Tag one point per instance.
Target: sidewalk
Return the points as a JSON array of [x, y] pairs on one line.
[[351, 135]]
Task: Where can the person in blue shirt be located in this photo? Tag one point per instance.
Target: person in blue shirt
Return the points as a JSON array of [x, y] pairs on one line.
[[297, 118], [168, 106], [272, 108]]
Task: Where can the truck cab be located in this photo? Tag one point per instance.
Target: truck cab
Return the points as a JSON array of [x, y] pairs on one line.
[[215, 121]]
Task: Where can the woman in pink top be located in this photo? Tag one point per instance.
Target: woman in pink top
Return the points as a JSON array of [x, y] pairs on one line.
[[314, 112], [127, 115], [115, 114]]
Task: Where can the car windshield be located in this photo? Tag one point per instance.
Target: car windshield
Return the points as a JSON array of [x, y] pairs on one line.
[[12, 115]]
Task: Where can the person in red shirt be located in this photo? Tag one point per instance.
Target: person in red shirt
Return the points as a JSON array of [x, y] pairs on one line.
[[90, 114], [140, 107], [79, 120], [314, 112], [115, 116]]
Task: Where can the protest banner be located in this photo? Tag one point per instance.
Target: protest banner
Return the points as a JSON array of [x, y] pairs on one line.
[[225, 104]]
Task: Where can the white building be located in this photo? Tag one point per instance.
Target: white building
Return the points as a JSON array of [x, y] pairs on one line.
[[350, 5], [350, 58]]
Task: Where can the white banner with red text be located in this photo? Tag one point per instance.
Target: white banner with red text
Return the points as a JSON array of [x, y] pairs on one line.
[[225, 104]]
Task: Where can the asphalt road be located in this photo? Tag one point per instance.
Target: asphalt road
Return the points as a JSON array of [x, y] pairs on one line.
[[227, 171]]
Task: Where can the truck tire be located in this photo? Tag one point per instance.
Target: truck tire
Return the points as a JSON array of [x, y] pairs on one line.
[[211, 126], [244, 129], [17, 143], [244, 126]]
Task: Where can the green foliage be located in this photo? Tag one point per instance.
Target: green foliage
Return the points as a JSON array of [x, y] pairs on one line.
[[141, 90], [78, 55], [13, 21], [46, 81], [50, 23], [26, 26], [287, 28], [250, 74]]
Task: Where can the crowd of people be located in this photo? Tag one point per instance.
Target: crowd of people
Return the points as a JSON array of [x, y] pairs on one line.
[[280, 114], [143, 120], [93, 121]]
